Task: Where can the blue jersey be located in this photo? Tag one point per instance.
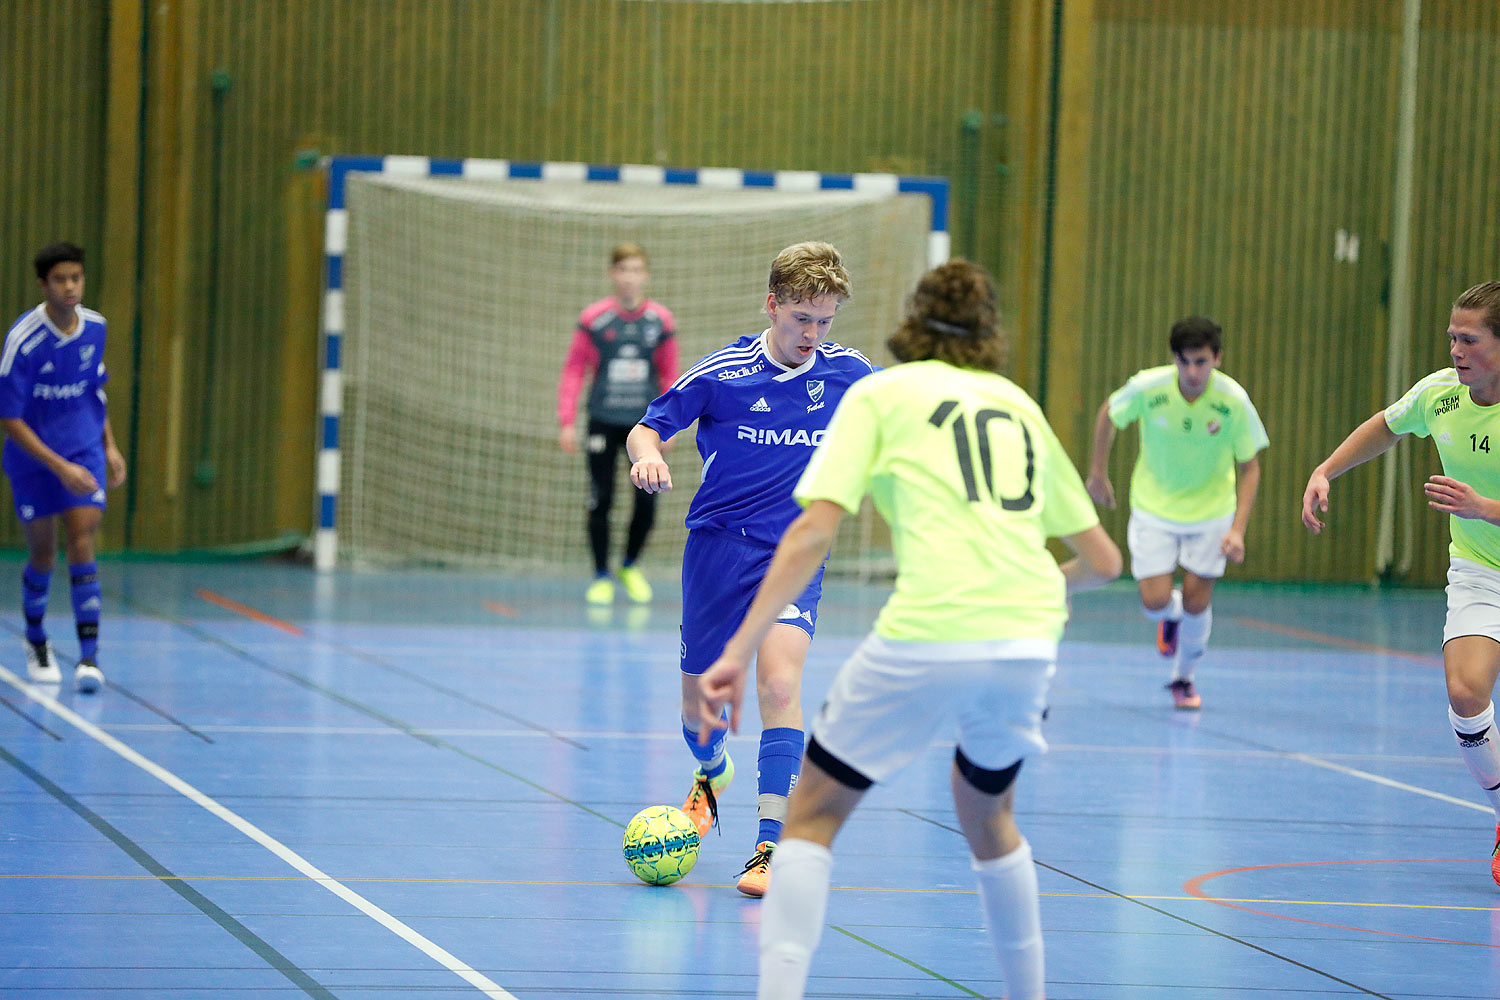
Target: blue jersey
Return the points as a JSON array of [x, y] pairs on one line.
[[55, 384], [758, 423]]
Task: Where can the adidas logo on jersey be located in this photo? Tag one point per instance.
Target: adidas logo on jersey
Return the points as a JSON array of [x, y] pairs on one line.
[[761, 406], [46, 368], [1445, 438]]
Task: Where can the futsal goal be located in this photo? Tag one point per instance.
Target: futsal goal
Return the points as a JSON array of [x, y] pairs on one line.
[[452, 292]]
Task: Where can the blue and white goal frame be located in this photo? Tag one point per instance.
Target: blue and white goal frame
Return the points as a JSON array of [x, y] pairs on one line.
[[336, 232]]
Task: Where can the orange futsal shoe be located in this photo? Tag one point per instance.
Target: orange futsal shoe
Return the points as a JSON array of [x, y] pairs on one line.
[[1166, 637], [702, 803], [1184, 695], [757, 873], [1495, 858]]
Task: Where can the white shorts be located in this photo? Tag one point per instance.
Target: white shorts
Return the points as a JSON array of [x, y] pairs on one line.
[[891, 699], [1159, 546], [1473, 600]]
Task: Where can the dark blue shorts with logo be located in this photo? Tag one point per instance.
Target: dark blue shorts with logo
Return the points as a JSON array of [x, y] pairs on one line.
[[720, 575], [39, 493]]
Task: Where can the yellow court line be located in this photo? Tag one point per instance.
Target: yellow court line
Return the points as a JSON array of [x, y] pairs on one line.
[[705, 885]]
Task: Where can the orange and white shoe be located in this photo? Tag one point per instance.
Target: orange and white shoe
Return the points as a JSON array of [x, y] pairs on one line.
[[1495, 858], [702, 803], [1185, 697], [757, 873]]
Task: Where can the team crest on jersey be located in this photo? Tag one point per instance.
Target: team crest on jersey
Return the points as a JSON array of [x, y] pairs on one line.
[[815, 390], [1214, 427]]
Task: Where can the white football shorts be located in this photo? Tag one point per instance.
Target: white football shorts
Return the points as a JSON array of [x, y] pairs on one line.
[[1158, 546], [1473, 600], [891, 700]]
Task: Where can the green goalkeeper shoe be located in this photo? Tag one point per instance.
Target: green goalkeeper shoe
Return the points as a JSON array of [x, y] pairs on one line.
[[636, 587]]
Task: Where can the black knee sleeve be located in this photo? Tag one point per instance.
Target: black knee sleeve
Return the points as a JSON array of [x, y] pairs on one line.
[[836, 769], [988, 782]]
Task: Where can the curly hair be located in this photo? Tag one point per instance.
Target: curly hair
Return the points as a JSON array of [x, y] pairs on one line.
[[952, 317]]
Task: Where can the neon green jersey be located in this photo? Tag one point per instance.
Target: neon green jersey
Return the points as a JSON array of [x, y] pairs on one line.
[[1185, 469], [972, 481], [1440, 407]]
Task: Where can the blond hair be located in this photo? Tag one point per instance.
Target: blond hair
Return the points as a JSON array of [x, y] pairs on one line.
[[804, 271], [1485, 297]]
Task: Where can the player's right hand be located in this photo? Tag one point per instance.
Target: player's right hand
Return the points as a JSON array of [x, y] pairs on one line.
[[722, 683], [1315, 501], [651, 475], [567, 439], [79, 480], [1102, 491]]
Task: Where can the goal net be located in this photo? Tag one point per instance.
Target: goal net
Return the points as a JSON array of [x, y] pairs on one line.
[[461, 297]]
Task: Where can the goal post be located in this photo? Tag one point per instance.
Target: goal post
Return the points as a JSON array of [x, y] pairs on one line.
[[451, 292]]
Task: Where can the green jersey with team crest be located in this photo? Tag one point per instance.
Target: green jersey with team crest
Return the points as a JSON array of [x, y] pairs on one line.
[[1439, 407], [972, 481], [1185, 469]]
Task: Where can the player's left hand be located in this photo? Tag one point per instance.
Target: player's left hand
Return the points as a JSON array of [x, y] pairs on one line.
[[722, 683], [1233, 546], [1449, 496], [115, 464]]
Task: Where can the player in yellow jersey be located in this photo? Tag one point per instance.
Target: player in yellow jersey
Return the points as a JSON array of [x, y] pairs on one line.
[[1456, 407], [972, 481], [1192, 490]]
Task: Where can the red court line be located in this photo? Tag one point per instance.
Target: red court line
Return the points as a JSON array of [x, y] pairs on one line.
[[1193, 887], [1308, 635], [501, 609], [248, 612]]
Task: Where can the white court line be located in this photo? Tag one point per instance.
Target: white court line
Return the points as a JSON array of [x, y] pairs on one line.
[[1388, 782], [276, 847]]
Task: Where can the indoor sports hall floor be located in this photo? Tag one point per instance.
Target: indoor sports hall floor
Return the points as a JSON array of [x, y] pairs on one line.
[[414, 784]]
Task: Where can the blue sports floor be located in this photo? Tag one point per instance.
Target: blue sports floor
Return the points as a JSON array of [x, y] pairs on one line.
[[414, 784]]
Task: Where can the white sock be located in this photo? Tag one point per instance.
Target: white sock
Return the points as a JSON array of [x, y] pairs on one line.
[[1008, 893], [1192, 641], [1477, 746], [1171, 611], [791, 917]]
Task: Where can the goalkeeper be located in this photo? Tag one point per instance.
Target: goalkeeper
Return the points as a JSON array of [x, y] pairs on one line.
[[628, 344]]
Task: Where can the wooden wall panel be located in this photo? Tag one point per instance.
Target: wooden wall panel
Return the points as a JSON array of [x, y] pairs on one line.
[[52, 166], [1229, 149]]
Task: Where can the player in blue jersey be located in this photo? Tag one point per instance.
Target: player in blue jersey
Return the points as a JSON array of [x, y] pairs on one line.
[[59, 453], [761, 404]]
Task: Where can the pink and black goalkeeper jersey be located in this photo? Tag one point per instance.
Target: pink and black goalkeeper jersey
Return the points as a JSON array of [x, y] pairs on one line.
[[631, 355]]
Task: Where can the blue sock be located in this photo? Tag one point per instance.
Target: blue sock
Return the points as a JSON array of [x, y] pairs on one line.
[[711, 758], [86, 605], [35, 588], [780, 762]]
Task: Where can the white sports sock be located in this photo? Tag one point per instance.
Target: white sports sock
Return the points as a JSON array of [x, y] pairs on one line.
[[791, 917], [1008, 893], [1477, 745], [1171, 611], [1192, 641]]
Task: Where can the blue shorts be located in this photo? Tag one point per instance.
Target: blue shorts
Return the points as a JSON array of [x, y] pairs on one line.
[[41, 494], [720, 575]]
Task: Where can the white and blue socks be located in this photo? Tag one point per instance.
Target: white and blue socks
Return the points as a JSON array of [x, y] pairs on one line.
[[1477, 746], [711, 758], [779, 763], [1008, 895], [791, 917], [87, 602], [36, 587]]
